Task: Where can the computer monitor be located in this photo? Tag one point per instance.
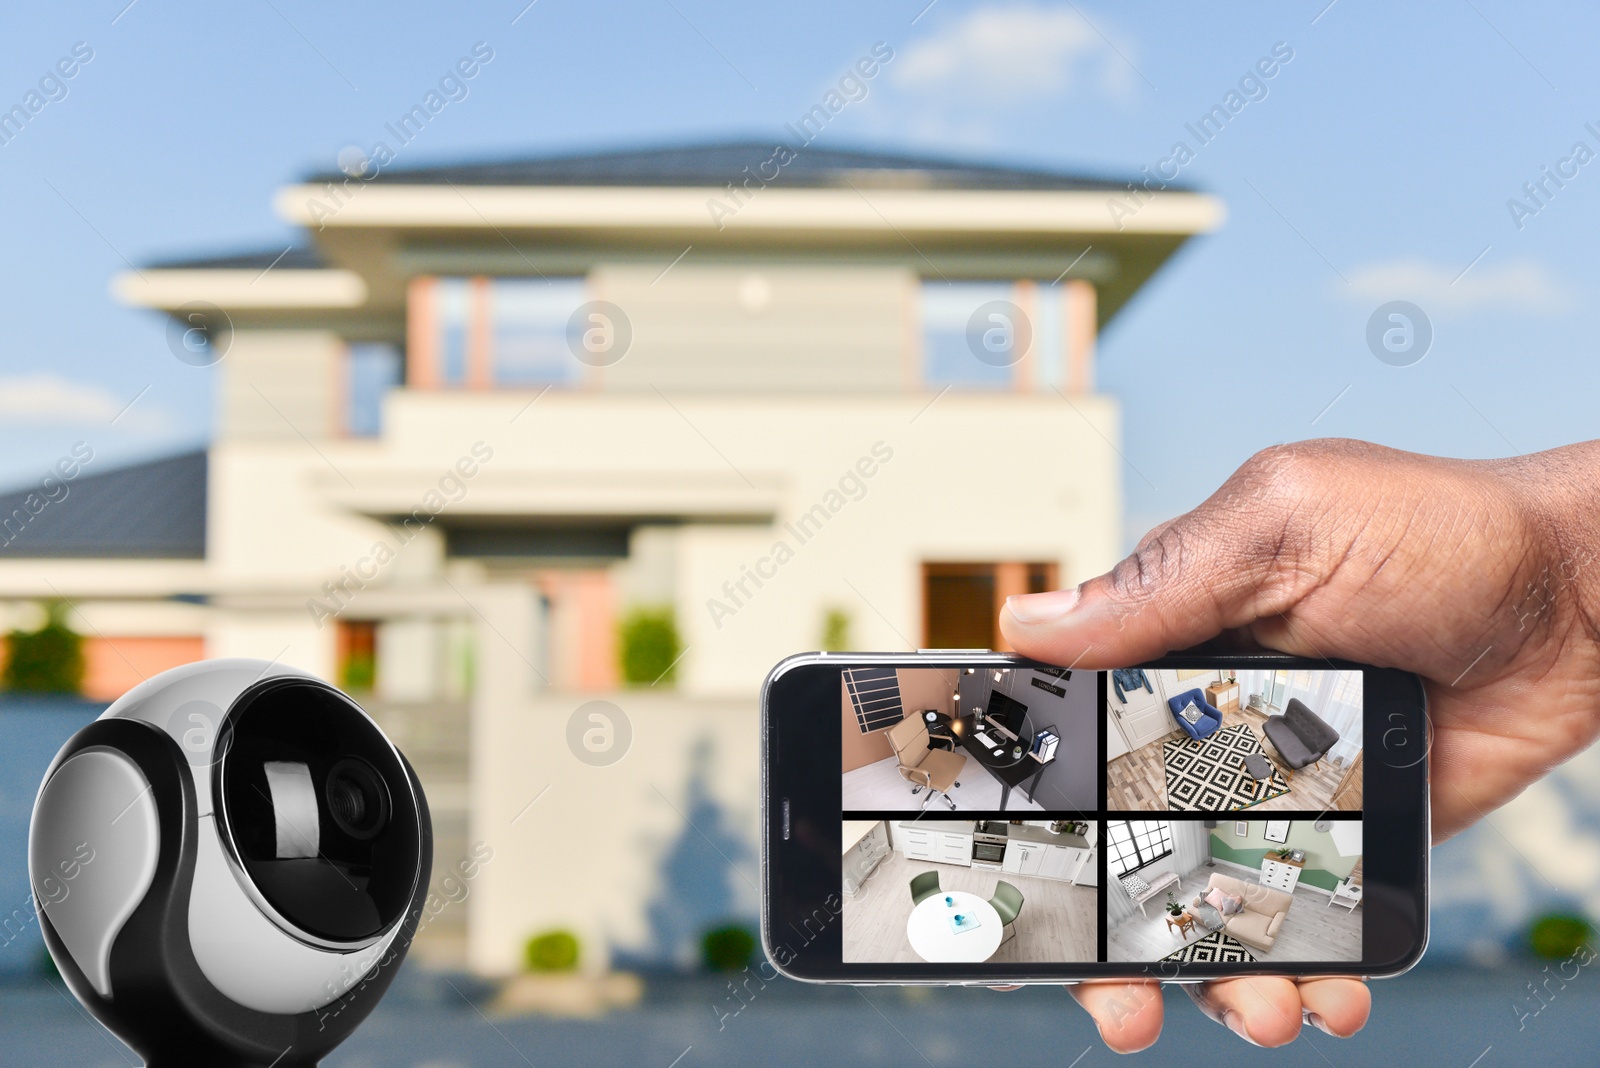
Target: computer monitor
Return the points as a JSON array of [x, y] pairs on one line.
[[1007, 712]]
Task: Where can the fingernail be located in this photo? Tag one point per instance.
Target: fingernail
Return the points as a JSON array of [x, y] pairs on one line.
[[1235, 1023], [1042, 607], [1315, 1020]]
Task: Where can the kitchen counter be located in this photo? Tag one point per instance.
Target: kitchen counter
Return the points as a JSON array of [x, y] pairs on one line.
[[942, 826], [1040, 836], [1037, 835]]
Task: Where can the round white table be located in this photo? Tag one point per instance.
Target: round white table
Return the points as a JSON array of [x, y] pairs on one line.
[[933, 938]]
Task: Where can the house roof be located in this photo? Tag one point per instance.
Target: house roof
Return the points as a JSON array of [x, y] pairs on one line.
[[279, 257], [151, 510], [718, 163]]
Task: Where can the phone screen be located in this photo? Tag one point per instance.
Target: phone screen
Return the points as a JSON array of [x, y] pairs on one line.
[[1009, 819]]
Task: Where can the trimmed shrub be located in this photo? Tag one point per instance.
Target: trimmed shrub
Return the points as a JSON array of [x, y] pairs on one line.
[[553, 951], [649, 647], [728, 948], [1558, 935], [835, 631]]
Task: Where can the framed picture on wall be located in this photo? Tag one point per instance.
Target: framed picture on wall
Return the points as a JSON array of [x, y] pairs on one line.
[[1241, 829], [1277, 831]]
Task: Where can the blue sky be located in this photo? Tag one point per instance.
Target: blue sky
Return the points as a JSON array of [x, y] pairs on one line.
[[1377, 167]]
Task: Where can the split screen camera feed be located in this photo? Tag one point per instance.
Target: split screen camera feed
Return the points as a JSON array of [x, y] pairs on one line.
[[1016, 815]]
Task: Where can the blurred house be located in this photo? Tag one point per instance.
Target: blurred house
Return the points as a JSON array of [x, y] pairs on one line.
[[485, 411]]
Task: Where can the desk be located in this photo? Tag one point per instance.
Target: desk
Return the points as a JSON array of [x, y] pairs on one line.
[[930, 934], [1010, 772]]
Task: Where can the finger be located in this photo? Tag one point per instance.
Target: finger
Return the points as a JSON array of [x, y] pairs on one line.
[[1264, 1011], [1338, 1007], [1246, 554], [1127, 1014]]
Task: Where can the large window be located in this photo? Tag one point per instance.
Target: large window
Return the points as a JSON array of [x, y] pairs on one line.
[[482, 332], [961, 601], [992, 335], [372, 369], [1131, 844]]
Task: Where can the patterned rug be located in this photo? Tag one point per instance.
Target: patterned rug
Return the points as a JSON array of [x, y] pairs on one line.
[[1214, 948], [1209, 775]]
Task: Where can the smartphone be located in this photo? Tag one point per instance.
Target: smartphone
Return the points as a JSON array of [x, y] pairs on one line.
[[954, 817]]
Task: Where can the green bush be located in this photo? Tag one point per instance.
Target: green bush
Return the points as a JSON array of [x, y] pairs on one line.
[[836, 631], [649, 647], [553, 951], [1557, 935], [728, 948], [360, 671], [47, 660]]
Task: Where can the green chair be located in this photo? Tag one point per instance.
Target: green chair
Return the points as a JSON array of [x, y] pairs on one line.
[[1007, 901], [924, 886]]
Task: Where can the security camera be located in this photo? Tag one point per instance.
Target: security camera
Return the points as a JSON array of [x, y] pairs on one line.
[[229, 865]]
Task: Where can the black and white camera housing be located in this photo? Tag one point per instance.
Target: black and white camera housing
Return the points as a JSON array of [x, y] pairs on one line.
[[229, 865]]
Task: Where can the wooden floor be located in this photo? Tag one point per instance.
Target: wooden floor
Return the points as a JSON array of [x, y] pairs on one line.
[[1058, 921], [1137, 781], [1313, 930]]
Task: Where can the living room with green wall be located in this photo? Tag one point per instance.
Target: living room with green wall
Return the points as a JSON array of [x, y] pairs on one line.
[[1324, 867]]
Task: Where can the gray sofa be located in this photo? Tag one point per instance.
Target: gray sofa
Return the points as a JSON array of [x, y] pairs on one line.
[[1300, 736]]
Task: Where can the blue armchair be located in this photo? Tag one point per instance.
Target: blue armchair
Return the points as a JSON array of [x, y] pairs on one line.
[[1210, 718]]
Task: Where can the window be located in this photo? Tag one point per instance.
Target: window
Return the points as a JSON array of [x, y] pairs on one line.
[[482, 332], [961, 601], [528, 321], [1131, 844], [875, 694], [992, 335], [371, 370], [357, 644]]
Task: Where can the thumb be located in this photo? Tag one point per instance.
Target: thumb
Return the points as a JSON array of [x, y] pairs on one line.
[[1188, 581]]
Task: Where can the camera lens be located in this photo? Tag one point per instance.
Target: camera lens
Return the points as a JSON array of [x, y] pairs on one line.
[[320, 811], [357, 800]]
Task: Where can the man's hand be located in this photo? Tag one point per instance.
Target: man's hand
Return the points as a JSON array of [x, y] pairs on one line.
[[1482, 577]]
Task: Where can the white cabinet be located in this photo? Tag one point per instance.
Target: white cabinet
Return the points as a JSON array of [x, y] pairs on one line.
[[861, 858], [1059, 862], [918, 844], [954, 849], [944, 847], [1279, 875], [1089, 874], [1024, 858]]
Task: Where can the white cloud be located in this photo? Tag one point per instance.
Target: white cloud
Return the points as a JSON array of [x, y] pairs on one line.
[[51, 399], [1516, 285], [1013, 52]]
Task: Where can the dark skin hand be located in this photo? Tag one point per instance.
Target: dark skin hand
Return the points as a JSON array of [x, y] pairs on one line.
[[1482, 577]]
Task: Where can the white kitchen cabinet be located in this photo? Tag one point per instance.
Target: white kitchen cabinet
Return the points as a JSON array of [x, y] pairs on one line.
[[1089, 874], [955, 849], [917, 844], [943, 847], [1059, 862], [1024, 858]]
